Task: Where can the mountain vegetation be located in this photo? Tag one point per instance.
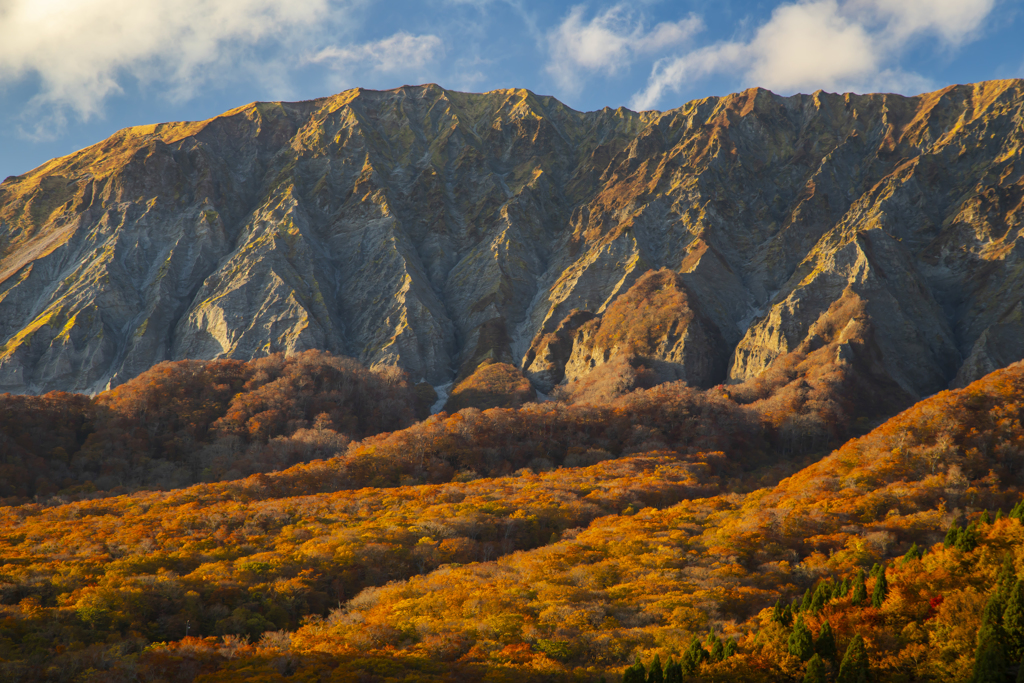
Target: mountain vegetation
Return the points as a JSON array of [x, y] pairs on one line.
[[185, 422], [189, 421], [656, 534]]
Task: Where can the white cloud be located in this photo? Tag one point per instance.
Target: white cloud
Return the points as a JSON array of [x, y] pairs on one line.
[[825, 44], [811, 44], [82, 51], [400, 52], [955, 21], [609, 42]]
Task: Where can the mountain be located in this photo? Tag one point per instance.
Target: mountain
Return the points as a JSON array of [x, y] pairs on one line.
[[445, 232]]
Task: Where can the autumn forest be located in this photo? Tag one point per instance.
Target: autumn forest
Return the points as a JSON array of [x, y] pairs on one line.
[[303, 518]]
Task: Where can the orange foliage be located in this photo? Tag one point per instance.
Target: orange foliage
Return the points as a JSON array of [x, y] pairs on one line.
[[188, 421], [614, 539], [492, 385]]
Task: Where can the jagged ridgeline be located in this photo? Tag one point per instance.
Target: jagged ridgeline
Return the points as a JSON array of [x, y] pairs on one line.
[[444, 231]]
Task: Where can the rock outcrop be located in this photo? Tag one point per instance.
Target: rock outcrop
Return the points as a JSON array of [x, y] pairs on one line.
[[657, 322], [445, 231]]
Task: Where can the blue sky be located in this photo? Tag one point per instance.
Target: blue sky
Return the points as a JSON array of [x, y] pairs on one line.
[[74, 71]]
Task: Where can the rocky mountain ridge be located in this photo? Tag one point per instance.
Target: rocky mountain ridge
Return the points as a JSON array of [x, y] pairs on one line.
[[441, 231]]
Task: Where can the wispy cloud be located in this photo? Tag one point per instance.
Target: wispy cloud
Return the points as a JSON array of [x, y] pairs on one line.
[[82, 51], [400, 52], [825, 44], [953, 21], [609, 42], [528, 17]]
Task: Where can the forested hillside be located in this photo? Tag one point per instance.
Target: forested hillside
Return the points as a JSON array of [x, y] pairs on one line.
[[572, 540], [186, 422], [190, 421]]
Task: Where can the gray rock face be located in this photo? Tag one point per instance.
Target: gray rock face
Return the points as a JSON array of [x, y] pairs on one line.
[[439, 230]]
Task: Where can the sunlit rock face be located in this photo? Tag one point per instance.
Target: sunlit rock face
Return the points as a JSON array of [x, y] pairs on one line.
[[441, 230]]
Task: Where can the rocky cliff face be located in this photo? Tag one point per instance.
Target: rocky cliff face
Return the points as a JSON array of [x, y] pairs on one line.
[[442, 231]]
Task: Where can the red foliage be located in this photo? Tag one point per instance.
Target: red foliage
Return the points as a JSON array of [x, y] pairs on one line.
[[933, 606]]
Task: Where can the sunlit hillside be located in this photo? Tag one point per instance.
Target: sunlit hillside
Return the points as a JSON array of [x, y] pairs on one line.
[[640, 536]]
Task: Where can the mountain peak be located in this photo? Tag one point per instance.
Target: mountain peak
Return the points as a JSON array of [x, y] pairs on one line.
[[438, 230]]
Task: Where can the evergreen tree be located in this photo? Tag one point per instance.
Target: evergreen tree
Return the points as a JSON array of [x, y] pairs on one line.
[[1013, 622], [717, 651], [915, 553], [805, 604], [655, 674], [1006, 578], [673, 672], [990, 657], [992, 615], [968, 539], [881, 590], [801, 641], [730, 648], [860, 590], [777, 611], [1017, 511], [700, 655], [952, 536], [635, 673], [855, 667], [999, 514], [694, 657], [844, 589], [815, 671], [825, 644], [822, 596], [985, 519], [714, 643], [687, 665]]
